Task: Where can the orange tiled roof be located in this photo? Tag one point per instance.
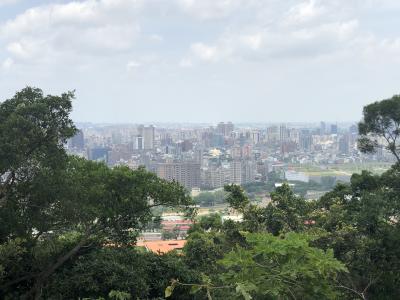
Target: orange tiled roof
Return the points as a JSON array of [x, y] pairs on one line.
[[162, 246], [173, 222]]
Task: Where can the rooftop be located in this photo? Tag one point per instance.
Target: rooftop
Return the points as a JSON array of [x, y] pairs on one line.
[[161, 247]]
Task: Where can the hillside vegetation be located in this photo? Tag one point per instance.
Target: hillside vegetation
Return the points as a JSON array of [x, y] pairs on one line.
[[68, 226]]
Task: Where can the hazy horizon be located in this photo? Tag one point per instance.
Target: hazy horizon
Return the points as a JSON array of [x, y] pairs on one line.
[[204, 61], [202, 124]]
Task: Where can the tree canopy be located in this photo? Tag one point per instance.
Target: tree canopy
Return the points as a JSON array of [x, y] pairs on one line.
[[381, 122], [68, 226], [56, 207]]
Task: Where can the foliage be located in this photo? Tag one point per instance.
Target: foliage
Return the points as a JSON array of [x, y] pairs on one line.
[[285, 267], [357, 220], [139, 275], [265, 267], [210, 198], [301, 188], [33, 129], [257, 187], [118, 295], [361, 222], [169, 235], [202, 251], [236, 197], [54, 208], [68, 225], [286, 212], [381, 120], [211, 221]]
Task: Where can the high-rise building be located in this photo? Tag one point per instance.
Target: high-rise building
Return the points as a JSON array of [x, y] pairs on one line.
[[246, 151], [305, 141], [236, 171], [119, 154], [242, 171], [98, 154], [186, 173], [198, 155], [116, 138], [272, 134], [262, 170], [249, 169], [236, 152], [229, 127], [139, 142], [225, 128], [288, 147], [353, 129], [255, 137], [334, 129], [216, 177], [322, 129], [140, 129], [283, 133], [344, 144], [77, 142], [217, 140], [148, 134]]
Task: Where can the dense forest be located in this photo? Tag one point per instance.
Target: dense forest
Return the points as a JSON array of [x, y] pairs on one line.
[[68, 226]]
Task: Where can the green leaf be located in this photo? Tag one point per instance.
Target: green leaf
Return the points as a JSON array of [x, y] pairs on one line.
[[195, 289], [169, 290], [240, 288]]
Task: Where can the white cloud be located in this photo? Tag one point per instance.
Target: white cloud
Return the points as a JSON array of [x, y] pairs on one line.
[[88, 27], [107, 28], [304, 12], [8, 2], [146, 61], [133, 65], [205, 52], [254, 41], [7, 63], [210, 9], [98, 46], [375, 50], [156, 38], [186, 63], [264, 43]]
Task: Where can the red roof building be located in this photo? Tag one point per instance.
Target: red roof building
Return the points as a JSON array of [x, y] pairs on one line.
[[162, 247]]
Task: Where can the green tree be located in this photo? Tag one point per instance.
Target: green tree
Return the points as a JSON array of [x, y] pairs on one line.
[[210, 198], [361, 224], [236, 198], [270, 267], [202, 250], [211, 221], [381, 120], [275, 267], [33, 130], [142, 275], [286, 212], [55, 207]]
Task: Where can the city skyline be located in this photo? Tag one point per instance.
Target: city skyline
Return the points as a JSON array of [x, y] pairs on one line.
[[195, 61], [208, 157], [199, 149], [190, 125]]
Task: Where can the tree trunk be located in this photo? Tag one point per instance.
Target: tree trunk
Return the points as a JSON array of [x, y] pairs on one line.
[[36, 291]]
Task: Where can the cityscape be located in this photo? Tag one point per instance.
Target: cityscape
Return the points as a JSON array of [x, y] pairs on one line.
[[199, 150], [206, 157]]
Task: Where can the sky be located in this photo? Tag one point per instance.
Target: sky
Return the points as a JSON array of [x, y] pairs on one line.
[[132, 61]]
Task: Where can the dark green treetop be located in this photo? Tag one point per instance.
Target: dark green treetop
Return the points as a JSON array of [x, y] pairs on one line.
[[381, 120]]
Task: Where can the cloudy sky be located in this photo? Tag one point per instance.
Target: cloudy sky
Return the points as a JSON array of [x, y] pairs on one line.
[[204, 60]]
